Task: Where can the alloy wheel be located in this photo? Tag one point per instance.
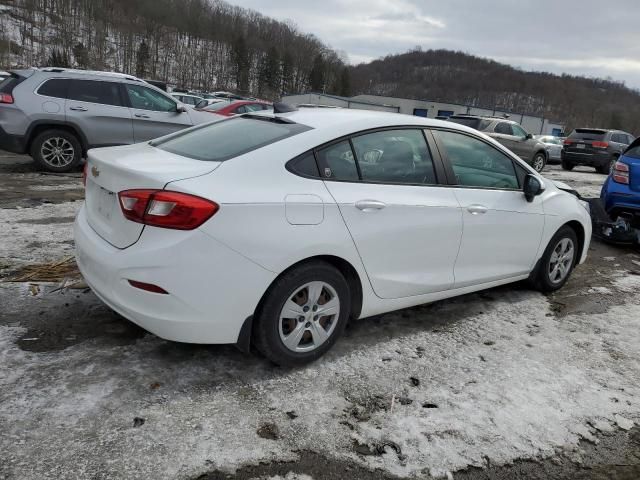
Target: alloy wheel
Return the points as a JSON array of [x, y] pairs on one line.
[[57, 152], [538, 163], [561, 260], [309, 317]]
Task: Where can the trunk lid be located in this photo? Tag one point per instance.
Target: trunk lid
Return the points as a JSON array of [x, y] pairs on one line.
[[112, 170]]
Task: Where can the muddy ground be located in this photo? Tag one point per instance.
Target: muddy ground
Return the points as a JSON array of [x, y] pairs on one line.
[[432, 391]]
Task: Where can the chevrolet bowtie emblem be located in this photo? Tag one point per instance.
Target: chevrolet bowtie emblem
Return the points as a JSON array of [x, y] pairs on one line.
[[94, 171]]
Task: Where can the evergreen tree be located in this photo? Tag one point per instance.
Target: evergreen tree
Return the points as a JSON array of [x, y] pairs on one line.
[[287, 72], [142, 60], [345, 83], [81, 55], [269, 73], [317, 75], [241, 62], [59, 58]]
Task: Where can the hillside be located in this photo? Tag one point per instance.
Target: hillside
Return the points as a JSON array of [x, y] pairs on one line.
[[442, 75], [206, 44]]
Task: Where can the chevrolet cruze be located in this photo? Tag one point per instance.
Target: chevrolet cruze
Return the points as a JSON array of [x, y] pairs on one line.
[[274, 229]]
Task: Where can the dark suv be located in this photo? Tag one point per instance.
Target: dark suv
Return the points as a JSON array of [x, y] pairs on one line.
[[594, 147]]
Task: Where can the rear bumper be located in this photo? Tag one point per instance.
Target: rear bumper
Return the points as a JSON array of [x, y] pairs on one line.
[[212, 289], [589, 160], [12, 143]]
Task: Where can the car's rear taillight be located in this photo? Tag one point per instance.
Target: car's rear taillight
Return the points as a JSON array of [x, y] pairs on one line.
[[568, 141], [620, 173], [6, 98], [600, 144], [84, 174], [165, 209]]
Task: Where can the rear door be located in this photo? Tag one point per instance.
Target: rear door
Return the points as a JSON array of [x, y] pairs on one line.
[[97, 108], [154, 114], [523, 146], [406, 227], [502, 231]]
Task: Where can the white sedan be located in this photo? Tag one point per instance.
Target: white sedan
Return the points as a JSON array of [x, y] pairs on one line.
[[277, 228]]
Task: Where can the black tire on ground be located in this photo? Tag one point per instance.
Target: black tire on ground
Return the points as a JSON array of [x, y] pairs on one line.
[[539, 161], [606, 168], [540, 278], [567, 165], [66, 141], [266, 328]]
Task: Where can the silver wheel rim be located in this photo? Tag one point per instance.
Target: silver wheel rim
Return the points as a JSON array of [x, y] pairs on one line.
[[538, 163], [561, 261], [309, 317], [57, 152]]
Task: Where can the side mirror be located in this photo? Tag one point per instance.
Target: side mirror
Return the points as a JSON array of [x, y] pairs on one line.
[[532, 187], [529, 136], [180, 108]]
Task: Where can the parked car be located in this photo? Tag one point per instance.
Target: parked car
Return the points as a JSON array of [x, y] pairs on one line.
[[57, 114], [224, 95], [236, 107], [621, 192], [187, 98], [594, 147], [4, 75], [553, 146], [511, 135], [274, 229], [205, 102]]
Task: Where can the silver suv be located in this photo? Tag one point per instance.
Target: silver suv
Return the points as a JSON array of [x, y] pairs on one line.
[[57, 114], [511, 135]]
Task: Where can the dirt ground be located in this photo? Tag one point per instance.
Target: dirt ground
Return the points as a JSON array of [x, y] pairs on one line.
[[502, 384]]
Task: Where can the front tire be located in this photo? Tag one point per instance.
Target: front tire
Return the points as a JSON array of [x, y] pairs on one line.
[[539, 162], [303, 314], [57, 151], [557, 262]]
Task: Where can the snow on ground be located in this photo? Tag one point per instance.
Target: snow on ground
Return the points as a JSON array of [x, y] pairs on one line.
[[38, 234], [488, 377], [584, 179]]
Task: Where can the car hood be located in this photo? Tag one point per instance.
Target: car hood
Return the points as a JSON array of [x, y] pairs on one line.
[[565, 188]]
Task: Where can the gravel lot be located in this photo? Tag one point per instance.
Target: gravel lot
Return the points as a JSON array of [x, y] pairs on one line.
[[506, 383]]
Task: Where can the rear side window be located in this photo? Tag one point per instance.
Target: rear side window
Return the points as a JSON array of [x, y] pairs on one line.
[[305, 165], [95, 91], [223, 140], [338, 163], [504, 128], [588, 134], [395, 156], [55, 87]]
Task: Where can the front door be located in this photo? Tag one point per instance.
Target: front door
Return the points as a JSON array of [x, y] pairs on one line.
[[406, 228], [154, 114], [502, 231]]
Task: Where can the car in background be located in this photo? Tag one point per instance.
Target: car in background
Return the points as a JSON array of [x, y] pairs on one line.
[[510, 134], [621, 192], [594, 147], [224, 95], [236, 107], [4, 75], [274, 229], [553, 146], [187, 98], [56, 114], [205, 102]]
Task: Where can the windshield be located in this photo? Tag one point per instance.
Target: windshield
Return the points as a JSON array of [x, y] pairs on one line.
[[220, 141]]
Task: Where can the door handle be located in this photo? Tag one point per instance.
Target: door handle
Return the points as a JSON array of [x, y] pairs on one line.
[[477, 209], [370, 205], [142, 115], [78, 109]]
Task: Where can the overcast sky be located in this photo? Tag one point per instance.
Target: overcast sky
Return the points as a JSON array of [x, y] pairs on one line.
[[585, 37]]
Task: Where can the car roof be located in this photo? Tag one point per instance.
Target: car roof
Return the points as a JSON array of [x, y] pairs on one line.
[[90, 73]]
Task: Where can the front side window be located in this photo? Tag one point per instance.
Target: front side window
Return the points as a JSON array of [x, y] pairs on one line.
[[337, 162], [395, 156], [503, 128], [143, 98], [94, 91], [477, 164], [227, 139], [56, 87], [518, 131]]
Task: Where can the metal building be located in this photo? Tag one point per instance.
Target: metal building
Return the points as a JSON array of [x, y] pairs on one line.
[[423, 108]]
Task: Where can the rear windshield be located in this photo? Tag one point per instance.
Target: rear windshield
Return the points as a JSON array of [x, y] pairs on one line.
[[477, 123], [588, 134], [8, 84], [220, 141]]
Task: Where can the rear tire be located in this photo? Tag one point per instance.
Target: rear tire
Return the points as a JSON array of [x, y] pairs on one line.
[[568, 166], [557, 262], [606, 168], [287, 329], [56, 151]]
